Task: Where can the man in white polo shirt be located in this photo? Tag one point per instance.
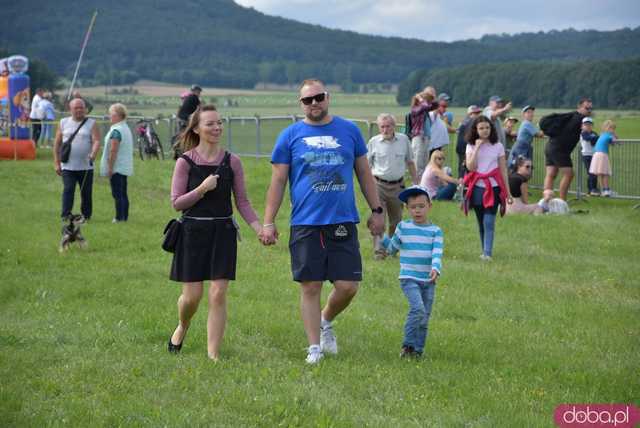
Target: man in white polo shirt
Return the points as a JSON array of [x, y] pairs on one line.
[[389, 155]]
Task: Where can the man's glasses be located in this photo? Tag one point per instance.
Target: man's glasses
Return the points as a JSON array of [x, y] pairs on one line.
[[317, 97]]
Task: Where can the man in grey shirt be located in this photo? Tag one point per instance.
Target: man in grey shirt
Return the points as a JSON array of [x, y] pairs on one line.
[[389, 155], [494, 112], [79, 167]]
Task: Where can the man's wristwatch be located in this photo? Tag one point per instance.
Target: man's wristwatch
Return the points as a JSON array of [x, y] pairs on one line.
[[377, 210]]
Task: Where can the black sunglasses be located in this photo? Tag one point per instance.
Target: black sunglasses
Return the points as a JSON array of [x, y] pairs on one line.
[[317, 97]]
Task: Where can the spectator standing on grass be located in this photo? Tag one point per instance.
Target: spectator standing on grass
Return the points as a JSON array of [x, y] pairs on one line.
[[558, 149], [440, 125], [117, 160], [588, 139], [190, 103], [203, 180], [495, 112], [421, 245], [473, 111], [600, 164], [509, 133], [36, 115], [486, 180], [524, 141], [79, 168], [519, 187], [419, 122], [389, 156], [49, 115], [318, 156]]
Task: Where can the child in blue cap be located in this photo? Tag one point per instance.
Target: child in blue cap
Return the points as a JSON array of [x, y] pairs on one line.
[[420, 244]]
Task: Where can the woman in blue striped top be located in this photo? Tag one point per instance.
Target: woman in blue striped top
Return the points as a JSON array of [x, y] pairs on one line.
[[420, 244]]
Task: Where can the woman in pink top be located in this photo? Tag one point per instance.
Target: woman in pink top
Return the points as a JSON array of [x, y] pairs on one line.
[[204, 178], [486, 179], [440, 185]]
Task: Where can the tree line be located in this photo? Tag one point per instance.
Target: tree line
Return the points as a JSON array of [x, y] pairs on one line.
[[610, 84], [219, 43]]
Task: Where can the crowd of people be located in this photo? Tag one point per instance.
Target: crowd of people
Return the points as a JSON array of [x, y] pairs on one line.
[[317, 158]]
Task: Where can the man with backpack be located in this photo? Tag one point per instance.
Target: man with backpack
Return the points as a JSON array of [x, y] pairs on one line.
[[563, 130]]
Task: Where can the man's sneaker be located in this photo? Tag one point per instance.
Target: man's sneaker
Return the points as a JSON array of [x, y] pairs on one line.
[[328, 342], [314, 355]]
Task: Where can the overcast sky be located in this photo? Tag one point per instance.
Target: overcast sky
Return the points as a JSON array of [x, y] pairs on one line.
[[440, 20]]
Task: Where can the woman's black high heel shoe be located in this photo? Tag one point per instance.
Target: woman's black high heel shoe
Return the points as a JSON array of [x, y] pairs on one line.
[[174, 349]]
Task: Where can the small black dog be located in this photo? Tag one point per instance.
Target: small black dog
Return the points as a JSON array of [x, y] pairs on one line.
[[71, 232]]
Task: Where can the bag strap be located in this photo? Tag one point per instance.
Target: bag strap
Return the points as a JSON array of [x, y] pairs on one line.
[[225, 161], [77, 129]]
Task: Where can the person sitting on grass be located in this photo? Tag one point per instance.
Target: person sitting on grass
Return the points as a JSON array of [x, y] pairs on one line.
[[518, 184], [437, 180], [420, 244]]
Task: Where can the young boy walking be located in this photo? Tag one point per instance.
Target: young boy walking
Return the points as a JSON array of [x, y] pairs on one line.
[[420, 244]]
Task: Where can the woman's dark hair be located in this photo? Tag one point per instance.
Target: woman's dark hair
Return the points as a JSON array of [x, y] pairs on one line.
[[472, 131], [188, 138], [520, 160]]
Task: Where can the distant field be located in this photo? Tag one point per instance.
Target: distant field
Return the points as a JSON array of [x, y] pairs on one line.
[[159, 99]]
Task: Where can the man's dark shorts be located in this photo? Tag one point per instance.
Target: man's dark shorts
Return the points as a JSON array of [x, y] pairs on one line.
[[330, 252], [554, 156]]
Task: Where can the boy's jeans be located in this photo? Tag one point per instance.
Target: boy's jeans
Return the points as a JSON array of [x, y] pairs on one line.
[[420, 296]]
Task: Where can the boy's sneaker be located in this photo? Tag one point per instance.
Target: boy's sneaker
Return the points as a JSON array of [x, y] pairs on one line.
[[328, 342], [594, 193], [485, 258], [314, 355], [606, 193], [408, 352]]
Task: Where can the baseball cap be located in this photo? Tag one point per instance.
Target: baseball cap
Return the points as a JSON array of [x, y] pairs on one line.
[[196, 88], [413, 191], [587, 120], [515, 119], [444, 97], [495, 98], [528, 107], [473, 109]]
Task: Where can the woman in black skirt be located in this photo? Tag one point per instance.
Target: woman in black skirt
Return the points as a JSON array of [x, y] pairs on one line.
[[203, 180]]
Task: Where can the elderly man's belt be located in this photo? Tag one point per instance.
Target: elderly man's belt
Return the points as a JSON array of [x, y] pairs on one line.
[[389, 182]]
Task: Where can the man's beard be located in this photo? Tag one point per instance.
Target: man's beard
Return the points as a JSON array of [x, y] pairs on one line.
[[319, 117]]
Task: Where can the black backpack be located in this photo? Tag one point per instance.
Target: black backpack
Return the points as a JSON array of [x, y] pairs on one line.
[[554, 124]]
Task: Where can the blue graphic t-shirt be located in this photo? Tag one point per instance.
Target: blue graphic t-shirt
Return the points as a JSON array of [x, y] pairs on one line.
[[321, 162]]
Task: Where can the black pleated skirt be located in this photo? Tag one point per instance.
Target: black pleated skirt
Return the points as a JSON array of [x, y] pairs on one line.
[[206, 250]]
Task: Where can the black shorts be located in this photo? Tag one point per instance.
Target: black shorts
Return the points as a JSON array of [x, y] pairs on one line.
[[320, 253], [557, 157]]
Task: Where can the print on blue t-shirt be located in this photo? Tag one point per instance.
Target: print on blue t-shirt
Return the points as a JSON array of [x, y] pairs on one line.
[[321, 161]]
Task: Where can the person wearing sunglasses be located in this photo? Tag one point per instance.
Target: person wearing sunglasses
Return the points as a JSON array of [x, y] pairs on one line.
[[518, 185], [389, 154], [318, 156], [440, 185]]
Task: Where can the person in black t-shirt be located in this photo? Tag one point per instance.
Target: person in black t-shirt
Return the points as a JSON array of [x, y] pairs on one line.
[[518, 185], [189, 104], [558, 149]]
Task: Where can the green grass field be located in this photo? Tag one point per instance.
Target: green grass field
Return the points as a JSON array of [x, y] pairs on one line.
[[553, 319]]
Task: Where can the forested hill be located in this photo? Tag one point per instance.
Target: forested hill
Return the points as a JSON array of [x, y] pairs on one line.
[[611, 84], [217, 42]]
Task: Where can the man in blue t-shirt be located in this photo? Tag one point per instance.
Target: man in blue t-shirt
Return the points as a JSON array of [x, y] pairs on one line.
[[318, 156]]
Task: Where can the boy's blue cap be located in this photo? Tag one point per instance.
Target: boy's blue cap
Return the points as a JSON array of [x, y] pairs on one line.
[[413, 191]]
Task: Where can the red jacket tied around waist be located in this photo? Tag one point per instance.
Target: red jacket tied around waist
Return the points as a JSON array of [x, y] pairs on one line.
[[488, 197]]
